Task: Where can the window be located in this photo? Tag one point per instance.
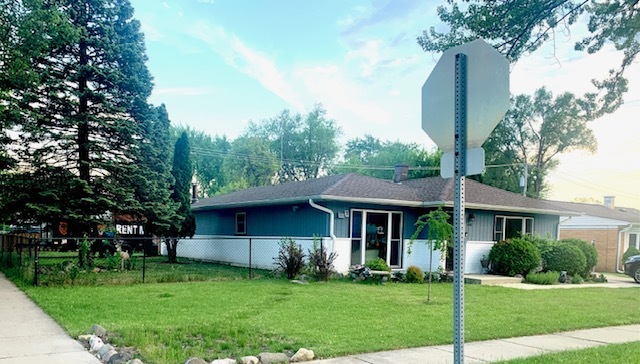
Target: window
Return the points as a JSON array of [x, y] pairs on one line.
[[510, 226], [633, 241], [241, 223], [376, 234]]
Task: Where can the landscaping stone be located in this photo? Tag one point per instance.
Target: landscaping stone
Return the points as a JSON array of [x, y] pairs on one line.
[[95, 343], [103, 350], [109, 355], [296, 281], [120, 358], [273, 358], [98, 331], [135, 361], [96, 270], [84, 340], [249, 360], [302, 355], [224, 361], [195, 360]]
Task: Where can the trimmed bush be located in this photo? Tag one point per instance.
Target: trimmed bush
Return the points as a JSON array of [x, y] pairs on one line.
[[321, 263], [565, 257], [377, 264], [290, 258], [543, 278], [414, 275], [589, 251], [630, 252], [514, 256]]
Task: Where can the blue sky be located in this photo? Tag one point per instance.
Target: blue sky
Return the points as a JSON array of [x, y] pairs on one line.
[[219, 63]]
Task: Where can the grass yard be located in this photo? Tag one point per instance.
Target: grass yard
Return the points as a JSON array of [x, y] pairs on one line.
[[628, 353], [170, 322]]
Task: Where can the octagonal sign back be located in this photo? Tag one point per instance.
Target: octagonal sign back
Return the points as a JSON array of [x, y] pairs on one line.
[[487, 95]]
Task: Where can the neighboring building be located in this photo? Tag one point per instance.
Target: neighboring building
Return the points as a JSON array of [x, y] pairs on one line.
[[609, 228], [361, 217]]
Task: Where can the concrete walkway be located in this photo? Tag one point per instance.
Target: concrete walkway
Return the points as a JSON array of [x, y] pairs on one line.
[[496, 350], [28, 335]]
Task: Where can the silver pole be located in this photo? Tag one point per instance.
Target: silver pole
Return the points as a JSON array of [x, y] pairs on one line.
[[458, 207]]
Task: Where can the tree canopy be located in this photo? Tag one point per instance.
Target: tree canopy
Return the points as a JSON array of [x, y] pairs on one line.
[[520, 27], [535, 130]]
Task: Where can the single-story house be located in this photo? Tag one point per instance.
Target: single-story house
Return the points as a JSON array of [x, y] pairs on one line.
[[361, 218], [612, 230]]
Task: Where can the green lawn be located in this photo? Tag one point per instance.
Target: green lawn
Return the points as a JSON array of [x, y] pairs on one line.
[[610, 354], [171, 322]]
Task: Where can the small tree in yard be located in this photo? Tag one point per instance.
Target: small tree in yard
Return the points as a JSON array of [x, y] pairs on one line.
[[439, 232], [182, 171], [290, 258]]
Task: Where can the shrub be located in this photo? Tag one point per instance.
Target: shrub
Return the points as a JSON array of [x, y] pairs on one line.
[[630, 252], [577, 279], [565, 257], [414, 275], [377, 264], [321, 264], [589, 251], [543, 278], [290, 258], [514, 256]]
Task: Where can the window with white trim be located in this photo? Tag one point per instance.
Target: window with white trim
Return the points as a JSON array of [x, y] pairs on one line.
[[241, 223], [506, 227], [376, 234], [633, 241]]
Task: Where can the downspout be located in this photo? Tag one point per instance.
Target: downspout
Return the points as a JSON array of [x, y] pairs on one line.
[[560, 223], [618, 257], [331, 219]]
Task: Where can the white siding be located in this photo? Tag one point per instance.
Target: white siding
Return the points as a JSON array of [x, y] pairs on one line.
[[420, 256], [473, 254], [589, 222]]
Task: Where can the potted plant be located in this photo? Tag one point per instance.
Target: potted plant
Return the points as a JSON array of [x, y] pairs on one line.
[[485, 262]]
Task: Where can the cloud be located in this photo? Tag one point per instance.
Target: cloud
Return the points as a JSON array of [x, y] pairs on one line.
[[151, 33], [390, 10], [206, 1], [247, 60]]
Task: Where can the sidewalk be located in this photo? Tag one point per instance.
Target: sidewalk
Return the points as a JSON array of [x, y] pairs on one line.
[[28, 335], [496, 350]]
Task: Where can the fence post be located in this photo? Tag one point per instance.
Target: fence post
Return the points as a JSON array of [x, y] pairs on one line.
[[322, 244], [36, 266], [20, 252], [144, 261], [250, 254]]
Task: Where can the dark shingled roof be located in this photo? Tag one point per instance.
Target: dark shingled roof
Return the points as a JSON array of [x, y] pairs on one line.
[[630, 215], [357, 188]]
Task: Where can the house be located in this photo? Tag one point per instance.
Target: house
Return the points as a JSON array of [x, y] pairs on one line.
[[612, 230], [361, 218]]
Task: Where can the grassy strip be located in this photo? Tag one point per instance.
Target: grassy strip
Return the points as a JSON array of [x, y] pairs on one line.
[[609, 354], [170, 322]]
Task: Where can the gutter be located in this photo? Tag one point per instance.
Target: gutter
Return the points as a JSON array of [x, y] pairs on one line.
[[331, 219], [618, 257]]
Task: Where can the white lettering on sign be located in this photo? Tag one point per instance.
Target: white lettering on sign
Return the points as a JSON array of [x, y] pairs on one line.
[[130, 229]]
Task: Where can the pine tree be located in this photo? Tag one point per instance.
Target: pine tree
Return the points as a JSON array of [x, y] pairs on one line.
[[182, 172], [82, 104]]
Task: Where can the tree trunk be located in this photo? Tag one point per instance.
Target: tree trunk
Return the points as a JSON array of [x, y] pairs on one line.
[[172, 250]]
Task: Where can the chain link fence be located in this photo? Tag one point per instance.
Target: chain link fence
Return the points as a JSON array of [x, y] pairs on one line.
[[45, 261]]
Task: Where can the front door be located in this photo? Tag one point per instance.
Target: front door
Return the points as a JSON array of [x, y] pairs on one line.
[[376, 234]]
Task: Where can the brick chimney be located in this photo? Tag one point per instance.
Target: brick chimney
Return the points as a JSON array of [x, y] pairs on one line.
[[401, 173], [609, 201]]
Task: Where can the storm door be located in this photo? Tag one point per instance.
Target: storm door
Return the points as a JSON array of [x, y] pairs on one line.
[[376, 234]]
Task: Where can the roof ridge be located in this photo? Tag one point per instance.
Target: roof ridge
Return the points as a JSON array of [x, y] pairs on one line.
[[340, 181]]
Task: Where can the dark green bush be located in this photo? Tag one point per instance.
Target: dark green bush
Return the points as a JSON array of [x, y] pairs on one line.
[[543, 278], [577, 279], [290, 258], [630, 252], [514, 256], [414, 275], [565, 257], [589, 251], [377, 264]]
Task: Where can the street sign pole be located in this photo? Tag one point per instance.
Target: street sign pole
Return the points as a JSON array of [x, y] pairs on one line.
[[460, 142]]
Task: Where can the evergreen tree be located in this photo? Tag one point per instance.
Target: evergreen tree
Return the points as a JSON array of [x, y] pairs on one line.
[[80, 102], [182, 171]]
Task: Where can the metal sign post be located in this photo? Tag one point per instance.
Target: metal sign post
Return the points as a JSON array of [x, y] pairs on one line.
[[460, 142]]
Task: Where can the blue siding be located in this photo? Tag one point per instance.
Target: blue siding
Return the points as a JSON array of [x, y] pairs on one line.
[[482, 227]]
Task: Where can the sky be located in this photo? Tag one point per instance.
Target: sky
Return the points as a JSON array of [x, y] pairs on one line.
[[217, 64]]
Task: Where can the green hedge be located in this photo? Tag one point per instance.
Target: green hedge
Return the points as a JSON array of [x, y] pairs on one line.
[[565, 257], [589, 251], [514, 256]]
